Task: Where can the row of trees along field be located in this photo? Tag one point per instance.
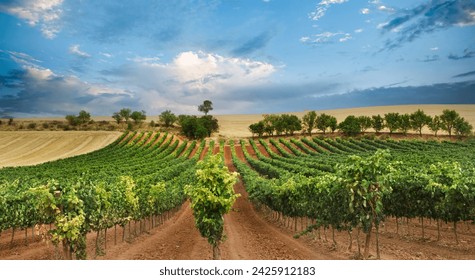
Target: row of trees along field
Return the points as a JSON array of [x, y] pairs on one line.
[[347, 186], [137, 179], [449, 121]]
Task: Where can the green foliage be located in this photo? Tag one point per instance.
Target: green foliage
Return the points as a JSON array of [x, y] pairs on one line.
[[435, 124], [377, 123], [206, 107], [257, 128], [448, 119], [323, 122], [462, 127], [117, 117], [167, 118], [418, 120], [404, 123], [82, 118], [365, 123], [125, 114], [198, 128], [309, 121], [350, 126], [393, 121], [138, 117], [211, 197]]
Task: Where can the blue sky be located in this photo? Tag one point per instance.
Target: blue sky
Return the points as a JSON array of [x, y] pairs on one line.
[[58, 57]]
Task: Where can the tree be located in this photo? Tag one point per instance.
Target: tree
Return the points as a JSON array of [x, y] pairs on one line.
[[377, 123], [72, 120], [393, 121], [167, 118], [448, 119], [462, 127], [138, 117], [84, 117], [206, 107], [125, 113], [404, 123], [117, 117], [211, 197], [435, 124], [210, 124], [350, 126], [257, 128], [418, 120], [309, 121], [365, 123], [290, 124], [333, 123], [323, 122]]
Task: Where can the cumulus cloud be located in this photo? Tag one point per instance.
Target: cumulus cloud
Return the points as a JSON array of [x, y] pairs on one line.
[[428, 17], [43, 13], [74, 49], [190, 77], [322, 8]]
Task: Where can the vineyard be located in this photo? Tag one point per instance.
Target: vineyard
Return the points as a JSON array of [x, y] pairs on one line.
[[303, 187]]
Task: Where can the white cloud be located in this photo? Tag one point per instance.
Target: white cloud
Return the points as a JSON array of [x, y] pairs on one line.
[[386, 9], [74, 49], [189, 78], [434, 49], [108, 55], [44, 13], [365, 11], [359, 30], [322, 7], [141, 59], [326, 37]]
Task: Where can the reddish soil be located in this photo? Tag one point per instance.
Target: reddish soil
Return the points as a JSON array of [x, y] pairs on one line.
[[257, 234]]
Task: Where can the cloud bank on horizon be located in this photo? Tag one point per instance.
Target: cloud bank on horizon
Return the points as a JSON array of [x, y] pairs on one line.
[[58, 56]]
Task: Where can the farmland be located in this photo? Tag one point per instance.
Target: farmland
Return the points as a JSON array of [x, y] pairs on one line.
[[130, 197]]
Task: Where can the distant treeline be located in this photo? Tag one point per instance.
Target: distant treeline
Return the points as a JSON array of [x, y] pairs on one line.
[[449, 121]]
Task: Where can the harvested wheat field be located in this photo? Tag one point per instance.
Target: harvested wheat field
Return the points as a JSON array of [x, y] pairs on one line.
[[19, 148]]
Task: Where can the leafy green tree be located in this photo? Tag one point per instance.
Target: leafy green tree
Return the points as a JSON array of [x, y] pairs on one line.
[[462, 127], [72, 120], [393, 121], [350, 126], [125, 113], [333, 124], [418, 120], [309, 121], [117, 117], [404, 123], [447, 120], [377, 123], [257, 128], [84, 117], [290, 124], [206, 107], [210, 124], [435, 124], [138, 117], [365, 123], [323, 122], [211, 197], [167, 118]]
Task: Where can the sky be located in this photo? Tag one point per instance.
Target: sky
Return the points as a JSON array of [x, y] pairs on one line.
[[58, 57]]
